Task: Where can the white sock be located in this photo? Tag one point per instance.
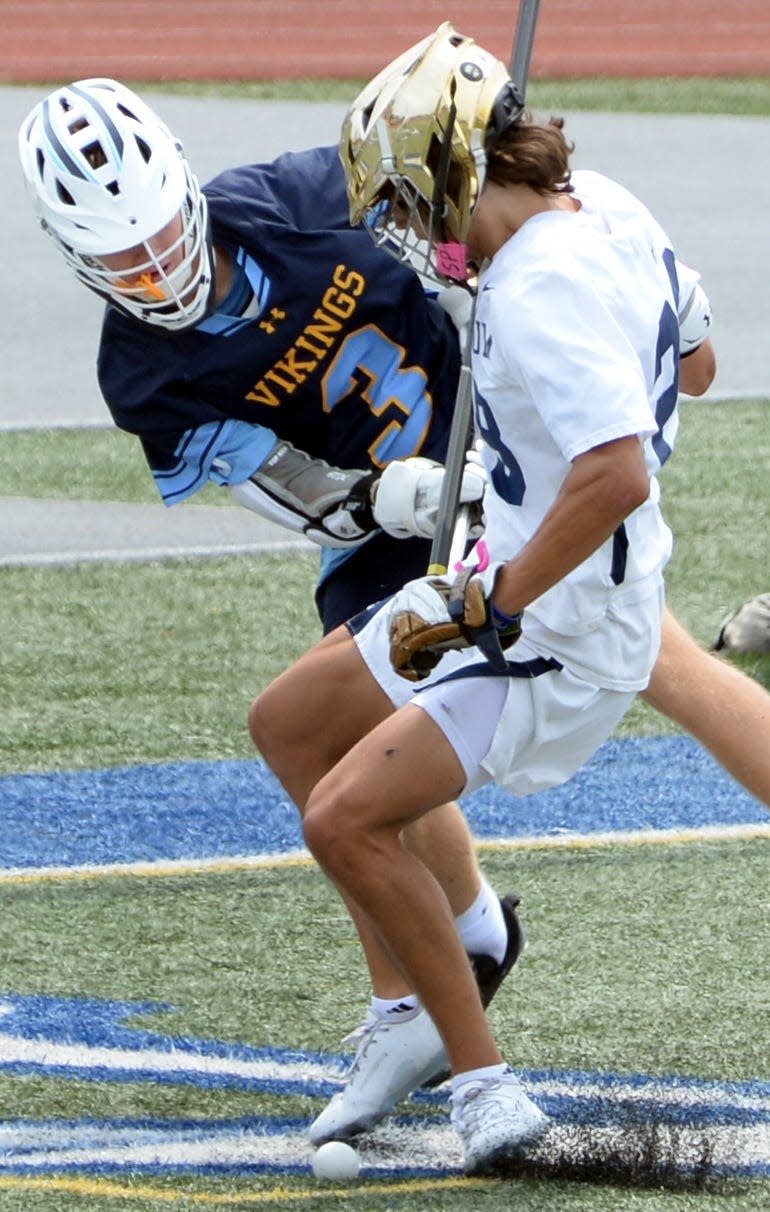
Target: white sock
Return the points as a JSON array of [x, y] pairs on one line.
[[482, 927], [480, 1075], [396, 1009]]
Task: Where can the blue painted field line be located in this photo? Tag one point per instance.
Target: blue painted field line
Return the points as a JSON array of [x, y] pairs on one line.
[[194, 811]]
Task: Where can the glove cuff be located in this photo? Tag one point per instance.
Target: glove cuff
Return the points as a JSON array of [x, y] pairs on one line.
[[359, 501], [502, 621]]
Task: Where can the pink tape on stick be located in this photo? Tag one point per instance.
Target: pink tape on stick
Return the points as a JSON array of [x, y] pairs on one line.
[[452, 261]]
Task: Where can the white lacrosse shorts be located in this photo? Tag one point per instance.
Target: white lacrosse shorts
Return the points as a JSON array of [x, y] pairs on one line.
[[528, 730]]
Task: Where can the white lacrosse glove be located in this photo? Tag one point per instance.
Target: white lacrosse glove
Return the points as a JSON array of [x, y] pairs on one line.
[[695, 322], [458, 304], [406, 496], [431, 616]]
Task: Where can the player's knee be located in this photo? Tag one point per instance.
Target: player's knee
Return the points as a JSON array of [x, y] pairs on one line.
[[267, 726], [320, 826], [332, 830]]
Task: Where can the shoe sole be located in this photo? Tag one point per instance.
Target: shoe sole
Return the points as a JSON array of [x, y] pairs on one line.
[[349, 1131], [508, 1158]]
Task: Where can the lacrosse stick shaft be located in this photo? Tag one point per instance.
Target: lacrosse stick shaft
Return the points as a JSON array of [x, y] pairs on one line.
[[452, 523], [442, 552], [524, 38]]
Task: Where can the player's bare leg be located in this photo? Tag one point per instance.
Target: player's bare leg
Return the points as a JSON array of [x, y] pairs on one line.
[[396, 1051], [317, 740], [300, 753], [723, 708], [443, 842], [353, 823]]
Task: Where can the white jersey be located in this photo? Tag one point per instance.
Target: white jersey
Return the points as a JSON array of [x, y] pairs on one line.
[[576, 344]]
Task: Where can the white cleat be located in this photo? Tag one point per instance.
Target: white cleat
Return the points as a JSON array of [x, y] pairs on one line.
[[496, 1121], [392, 1060]]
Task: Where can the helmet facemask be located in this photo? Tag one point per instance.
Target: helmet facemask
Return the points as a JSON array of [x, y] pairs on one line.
[[156, 291], [429, 233]]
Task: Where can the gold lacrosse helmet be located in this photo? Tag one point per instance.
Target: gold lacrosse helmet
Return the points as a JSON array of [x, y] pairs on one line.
[[413, 148]]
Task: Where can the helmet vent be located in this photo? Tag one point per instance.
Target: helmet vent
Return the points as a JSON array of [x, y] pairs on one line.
[[114, 188], [366, 114], [94, 154], [144, 149], [64, 195], [433, 155]]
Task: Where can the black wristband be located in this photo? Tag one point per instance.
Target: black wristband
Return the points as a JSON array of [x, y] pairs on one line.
[[359, 502]]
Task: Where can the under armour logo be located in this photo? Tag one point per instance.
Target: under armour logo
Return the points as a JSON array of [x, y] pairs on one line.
[[269, 322]]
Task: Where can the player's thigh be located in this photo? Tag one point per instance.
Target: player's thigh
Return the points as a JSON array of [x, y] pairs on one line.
[[398, 772], [681, 679], [324, 702]]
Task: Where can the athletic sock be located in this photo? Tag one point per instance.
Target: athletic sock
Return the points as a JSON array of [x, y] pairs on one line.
[[480, 1075], [482, 927], [396, 1009]]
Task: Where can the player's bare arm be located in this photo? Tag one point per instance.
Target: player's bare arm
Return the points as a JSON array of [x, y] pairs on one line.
[[603, 487]]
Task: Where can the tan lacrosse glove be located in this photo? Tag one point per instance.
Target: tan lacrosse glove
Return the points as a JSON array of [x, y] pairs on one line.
[[431, 616]]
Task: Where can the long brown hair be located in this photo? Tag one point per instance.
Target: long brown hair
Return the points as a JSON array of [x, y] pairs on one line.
[[532, 153]]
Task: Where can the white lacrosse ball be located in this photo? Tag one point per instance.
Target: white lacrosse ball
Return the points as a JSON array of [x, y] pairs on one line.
[[337, 1160]]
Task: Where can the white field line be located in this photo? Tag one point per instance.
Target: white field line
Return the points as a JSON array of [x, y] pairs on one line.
[[301, 858], [145, 555], [46, 1054], [388, 1149]]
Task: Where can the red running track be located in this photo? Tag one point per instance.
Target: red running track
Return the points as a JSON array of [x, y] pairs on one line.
[[53, 40]]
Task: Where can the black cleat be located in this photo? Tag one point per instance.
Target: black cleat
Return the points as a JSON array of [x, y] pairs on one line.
[[489, 974]]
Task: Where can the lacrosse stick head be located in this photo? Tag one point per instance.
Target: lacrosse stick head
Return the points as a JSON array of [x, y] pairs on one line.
[[413, 147], [107, 177]]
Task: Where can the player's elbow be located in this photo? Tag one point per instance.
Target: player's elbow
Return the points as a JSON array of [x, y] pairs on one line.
[[623, 496], [632, 495], [698, 370], [622, 480]]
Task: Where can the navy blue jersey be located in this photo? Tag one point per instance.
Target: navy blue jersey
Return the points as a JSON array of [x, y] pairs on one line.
[[340, 353]]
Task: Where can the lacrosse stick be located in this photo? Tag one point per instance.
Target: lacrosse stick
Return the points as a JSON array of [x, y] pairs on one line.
[[450, 536]]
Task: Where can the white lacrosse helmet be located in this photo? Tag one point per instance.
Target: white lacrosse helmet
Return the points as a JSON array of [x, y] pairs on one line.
[[106, 175], [413, 148]]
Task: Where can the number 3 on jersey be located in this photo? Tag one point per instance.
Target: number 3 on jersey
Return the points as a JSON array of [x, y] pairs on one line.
[[370, 365]]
